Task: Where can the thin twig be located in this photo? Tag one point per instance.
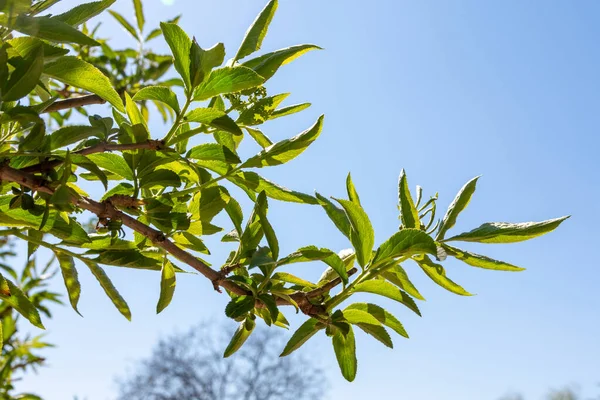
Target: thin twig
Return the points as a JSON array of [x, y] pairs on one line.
[[74, 102]]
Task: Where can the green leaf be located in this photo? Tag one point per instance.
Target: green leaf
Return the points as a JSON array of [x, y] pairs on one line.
[[113, 163], [130, 259], [408, 212], [301, 336], [133, 112], [381, 314], [190, 241], [227, 80], [124, 23], [476, 260], [21, 303], [167, 286], [78, 73], [84, 162], [261, 110], [352, 194], [252, 181], [260, 138], [362, 235], [110, 289], [72, 134], [25, 76], [203, 61], [83, 12], [369, 324], [25, 45], [69, 273], [405, 243], [398, 276], [213, 151], [386, 289], [289, 278], [256, 33], [239, 337], [139, 14], [313, 253], [239, 306], [261, 211], [158, 93], [215, 118], [504, 232], [267, 64], [289, 110], [460, 202], [234, 210], [180, 45], [337, 215], [51, 29], [160, 178], [271, 305], [345, 352], [437, 273], [286, 150]]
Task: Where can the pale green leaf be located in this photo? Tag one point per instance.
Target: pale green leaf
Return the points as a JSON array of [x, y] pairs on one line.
[[476, 260], [405, 243], [257, 31], [460, 202], [362, 235], [158, 93], [301, 336], [408, 211], [386, 289], [167, 286], [83, 12], [110, 289], [437, 273], [345, 353], [227, 80], [267, 64]]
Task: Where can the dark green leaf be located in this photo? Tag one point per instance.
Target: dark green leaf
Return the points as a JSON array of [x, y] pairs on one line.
[[239, 337], [69, 273], [301, 336], [405, 243], [24, 45], [257, 184], [51, 29], [25, 76], [337, 215], [398, 276], [239, 306], [345, 352], [203, 61], [382, 316], [460, 202], [84, 162], [261, 211], [78, 73], [110, 290], [160, 178], [313, 253], [180, 45], [167, 286], [72, 134], [369, 324], [256, 33], [504, 232], [83, 12], [213, 151]]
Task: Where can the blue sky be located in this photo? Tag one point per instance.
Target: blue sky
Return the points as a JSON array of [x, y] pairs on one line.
[[446, 90]]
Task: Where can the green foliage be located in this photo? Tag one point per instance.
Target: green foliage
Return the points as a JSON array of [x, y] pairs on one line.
[[162, 192]]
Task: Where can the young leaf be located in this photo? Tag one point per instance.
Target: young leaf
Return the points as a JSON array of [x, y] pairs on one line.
[[362, 235], [51, 29], [267, 64], [286, 150], [113, 163], [398, 276], [352, 193], [386, 289], [167, 286], [256, 33], [21, 303], [313, 253], [158, 93], [345, 352], [110, 289], [381, 315], [289, 110], [124, 23], [215, 152], [369, 324], [25, 76], [405, 243], [476, 260], [84, 162], [83, 12], [337, 215], [261, 110], [408, 212], [133, 112], [289, 278], [437, 273], [227, 80], [180, 45], [240, 336], [139, 14], [256, 183], [215, 118], [25, 45], [460, 202], [260, 138], [69, 273], [79, 73], [72, 134], [301, 336], [261, 211], [504, 232], [203, 61]]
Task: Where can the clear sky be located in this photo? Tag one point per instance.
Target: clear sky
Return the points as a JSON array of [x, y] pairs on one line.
[[447, 90]]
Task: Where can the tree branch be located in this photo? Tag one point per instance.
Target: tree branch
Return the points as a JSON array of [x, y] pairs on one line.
[[328, 286], [157, 145], [74, 103], [108, 210]]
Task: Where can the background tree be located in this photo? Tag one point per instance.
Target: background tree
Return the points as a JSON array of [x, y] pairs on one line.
[[20, 350], [168, 189], [191, 366]]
